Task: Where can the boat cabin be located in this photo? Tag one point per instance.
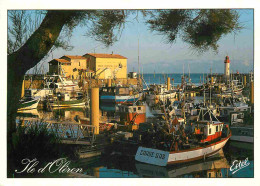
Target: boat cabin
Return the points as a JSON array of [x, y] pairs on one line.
[[208, 127], [132, 114]]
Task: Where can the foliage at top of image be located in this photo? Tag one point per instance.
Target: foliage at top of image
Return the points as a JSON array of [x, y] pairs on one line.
[[201, 29]]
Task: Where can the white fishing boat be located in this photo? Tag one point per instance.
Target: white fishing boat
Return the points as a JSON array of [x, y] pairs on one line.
[[209, 139], [60, 83], [160, 92], [212, 167]]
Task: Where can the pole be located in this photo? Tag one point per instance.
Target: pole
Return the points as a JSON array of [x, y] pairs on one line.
[[138, 61], [252, 93], [168, 83], [94, 119]]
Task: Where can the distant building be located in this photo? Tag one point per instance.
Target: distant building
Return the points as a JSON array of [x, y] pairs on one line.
[[107, 66], [227, 67], [59, 66], [69, 66]]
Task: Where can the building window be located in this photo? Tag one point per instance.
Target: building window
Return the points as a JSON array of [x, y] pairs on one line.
[[216, 128], [79, 63], [134, 109], [209, 130], [139, 108]]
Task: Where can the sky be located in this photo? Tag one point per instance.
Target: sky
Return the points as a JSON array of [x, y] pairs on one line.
[[156, 55]]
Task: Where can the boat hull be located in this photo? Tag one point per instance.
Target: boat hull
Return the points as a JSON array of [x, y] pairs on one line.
[[242, 134], [163, 158], [120, 99], [162, 97], [73, 103], [33, 104]]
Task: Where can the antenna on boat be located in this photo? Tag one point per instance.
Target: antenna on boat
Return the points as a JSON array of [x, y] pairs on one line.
[[142, 72], [138, 61], [183, 69], [189, 73], [203, 91], [210, 88]]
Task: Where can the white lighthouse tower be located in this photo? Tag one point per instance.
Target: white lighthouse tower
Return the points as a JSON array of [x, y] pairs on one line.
[[227, 67]]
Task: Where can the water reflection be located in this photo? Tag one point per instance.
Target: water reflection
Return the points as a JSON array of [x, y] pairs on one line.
[[213, 167], [114, 166], [217, 166], [210, 168]]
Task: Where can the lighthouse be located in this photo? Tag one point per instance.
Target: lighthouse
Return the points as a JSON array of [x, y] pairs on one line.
[[227, 67]]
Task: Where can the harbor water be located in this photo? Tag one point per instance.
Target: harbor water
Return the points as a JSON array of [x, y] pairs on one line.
[[224, 164]]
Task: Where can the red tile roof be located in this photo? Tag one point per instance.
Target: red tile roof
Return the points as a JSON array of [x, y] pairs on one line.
[[74, 57], [106, 55], [60, 60]]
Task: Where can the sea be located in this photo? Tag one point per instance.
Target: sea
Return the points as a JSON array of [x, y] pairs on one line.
[[196, 78], [224, 165]]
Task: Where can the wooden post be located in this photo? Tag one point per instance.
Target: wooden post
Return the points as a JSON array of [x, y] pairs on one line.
[[244, 80], [94, 119], [109, 83], [168, 83], [23, 87], [252, 93]]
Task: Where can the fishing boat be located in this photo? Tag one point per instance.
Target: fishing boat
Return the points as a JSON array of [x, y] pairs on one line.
[[103, 126], [119, 95], [28, 101], [133, 113], [61, 83], [70, 103], [207, 137], [159, 92], [242, 133], [64, 100], [212, 168], [28, 104]]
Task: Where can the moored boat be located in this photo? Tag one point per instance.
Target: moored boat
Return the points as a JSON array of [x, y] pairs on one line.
[[159, 92], [119, 95], [133, 113], [207, 138], [28, 104]]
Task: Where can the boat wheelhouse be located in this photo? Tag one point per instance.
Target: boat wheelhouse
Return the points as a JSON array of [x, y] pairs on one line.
[[133, 113]]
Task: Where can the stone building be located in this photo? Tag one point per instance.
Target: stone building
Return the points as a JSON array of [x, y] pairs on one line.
[[107, 66]]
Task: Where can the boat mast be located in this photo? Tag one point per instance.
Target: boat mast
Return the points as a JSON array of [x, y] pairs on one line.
[[138, 61], [189, 74], [210, 88], [203, 91]]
